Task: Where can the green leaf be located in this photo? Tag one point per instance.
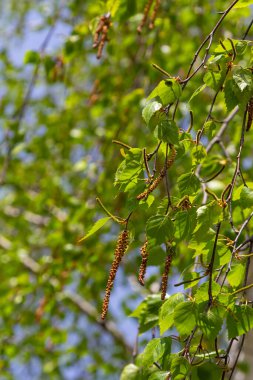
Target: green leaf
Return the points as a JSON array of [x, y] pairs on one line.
[[32, 57], [130, 170], [180, 368], [167, 90], [230, 94], [201, 294], [198, 91], [239, 45], [112, 6], [185, 224], [166, 314], [243, 4], [160, 228], [236, 275], [167, 131], [239, 89], [156, 253], [198, 153], [99, 224], [207, 216], [244, 79], [159, 375], [193, 277], [246, 197], [184, 317], [147, 312], [188, 184], [155, 350], [130, 372], [151, 114], [210, 322], [207, 371], [214, 79], [239, 320], [211, 165]]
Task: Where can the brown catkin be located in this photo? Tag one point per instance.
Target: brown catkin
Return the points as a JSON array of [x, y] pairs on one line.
[[98, 32], [144, 260], [165, 276], [100, 36], [154, 14], [145, 15], [162, 174], [121, 247]]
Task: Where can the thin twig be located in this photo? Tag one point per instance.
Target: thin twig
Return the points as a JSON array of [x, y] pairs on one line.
[[210, 38], [210, 294]]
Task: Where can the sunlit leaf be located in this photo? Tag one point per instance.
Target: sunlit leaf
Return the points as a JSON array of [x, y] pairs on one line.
[[99, 224]]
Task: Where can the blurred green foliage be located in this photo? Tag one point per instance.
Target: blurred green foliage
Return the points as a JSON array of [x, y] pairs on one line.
[[60, 109]]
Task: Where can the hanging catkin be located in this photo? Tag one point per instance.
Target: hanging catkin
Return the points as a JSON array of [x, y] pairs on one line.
[[100, 36], [120, 250], [145, 15], [165, 276], [162, 174], [154, 14], [144, 260]]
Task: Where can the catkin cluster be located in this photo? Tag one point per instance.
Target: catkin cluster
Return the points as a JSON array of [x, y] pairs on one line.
[[165, 276], [121, 247], [100, 36], [162, 174], [144, 260], [146, 12]]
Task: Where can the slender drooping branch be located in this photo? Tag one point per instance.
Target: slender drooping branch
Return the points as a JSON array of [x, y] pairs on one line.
[[210, 39]]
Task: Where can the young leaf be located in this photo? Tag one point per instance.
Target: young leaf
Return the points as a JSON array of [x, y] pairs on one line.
[[99, 224], [201, 294], [207, 216], [166, 314], [113, 6], [167, 90], [185, 223], [150, 114], [198, 91], [230, 94], [184, 317], [214, 79], [236, 275], [147, 312], [130, 372], [155, 349], [159, 375], [32, 57], [198, 153], [130, 170], [246, 197], [180, 368], [210, 322], [239, 320], [188, 184], [160, 228], [239, 45], [167, 131], [243, 3], [244, 79]]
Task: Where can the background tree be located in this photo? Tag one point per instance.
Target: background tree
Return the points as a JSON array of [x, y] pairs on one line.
[[69, 122]]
